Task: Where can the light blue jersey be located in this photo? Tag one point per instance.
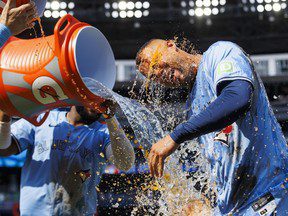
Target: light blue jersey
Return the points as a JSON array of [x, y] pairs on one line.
[[63, 166], [250, 162]]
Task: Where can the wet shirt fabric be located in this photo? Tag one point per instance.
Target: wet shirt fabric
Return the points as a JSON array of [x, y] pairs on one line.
[[63, 165], [249, 161]]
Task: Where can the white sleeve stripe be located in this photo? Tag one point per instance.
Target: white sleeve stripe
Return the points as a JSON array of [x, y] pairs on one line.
[[234, 78]]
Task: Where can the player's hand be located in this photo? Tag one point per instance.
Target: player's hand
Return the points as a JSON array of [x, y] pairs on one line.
[[17, 19], [111, 107], [159, 152]]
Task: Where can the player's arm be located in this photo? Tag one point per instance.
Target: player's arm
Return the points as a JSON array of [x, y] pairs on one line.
[[8, 145], [232, 103], [120, 152]]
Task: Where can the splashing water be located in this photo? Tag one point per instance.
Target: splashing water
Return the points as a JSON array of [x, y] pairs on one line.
[[156, 58], [144, 123], [175, 191]]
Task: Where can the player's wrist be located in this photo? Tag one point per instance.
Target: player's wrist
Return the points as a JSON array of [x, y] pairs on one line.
[[110, 109], [5, 134]]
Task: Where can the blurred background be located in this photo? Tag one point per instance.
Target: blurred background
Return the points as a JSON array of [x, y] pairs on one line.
[[260, 27]]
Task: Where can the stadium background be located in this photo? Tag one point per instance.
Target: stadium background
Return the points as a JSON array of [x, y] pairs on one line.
[[260, 27]]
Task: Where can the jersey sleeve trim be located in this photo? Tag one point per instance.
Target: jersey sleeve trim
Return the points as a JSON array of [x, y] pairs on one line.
[[234, 78]]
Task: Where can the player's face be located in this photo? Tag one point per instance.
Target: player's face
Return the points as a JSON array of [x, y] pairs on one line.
[[166, 64], [88, 115]]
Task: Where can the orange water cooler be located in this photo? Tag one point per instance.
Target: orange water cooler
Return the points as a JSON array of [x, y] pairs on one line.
[[41, 74]]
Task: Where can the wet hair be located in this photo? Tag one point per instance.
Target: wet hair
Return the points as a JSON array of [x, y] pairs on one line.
[[87, 119]]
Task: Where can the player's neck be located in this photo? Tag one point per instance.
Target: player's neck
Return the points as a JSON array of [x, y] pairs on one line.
[[195, 60]]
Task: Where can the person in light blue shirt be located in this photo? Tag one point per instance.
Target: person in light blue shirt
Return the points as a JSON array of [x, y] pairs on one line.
[[14, 19], [65, 159], [230, 115]]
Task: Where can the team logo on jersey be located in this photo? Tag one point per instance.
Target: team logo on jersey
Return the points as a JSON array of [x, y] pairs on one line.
[[223, 135], [84, 175], [46, 90], [224, 67]]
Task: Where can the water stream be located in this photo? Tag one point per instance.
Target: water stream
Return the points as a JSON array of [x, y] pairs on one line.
[[177, 188]]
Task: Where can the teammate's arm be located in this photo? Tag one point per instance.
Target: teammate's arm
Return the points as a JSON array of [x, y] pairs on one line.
[[14, 20], [8, 145], [120, 152]]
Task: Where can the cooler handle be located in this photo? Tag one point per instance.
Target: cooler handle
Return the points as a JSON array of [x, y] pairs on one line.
[[34, 121], [60, 34]]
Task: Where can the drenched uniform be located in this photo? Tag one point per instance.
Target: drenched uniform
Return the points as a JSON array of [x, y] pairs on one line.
[[63, 165], [249, 163]]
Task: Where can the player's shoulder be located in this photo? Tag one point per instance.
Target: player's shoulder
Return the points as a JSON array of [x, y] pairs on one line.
[[99, 126], [100, 130], [222, 50], [55, 117], [223, 46]]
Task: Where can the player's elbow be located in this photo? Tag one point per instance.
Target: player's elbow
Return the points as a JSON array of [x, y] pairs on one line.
[[245, 103], [243, 98]]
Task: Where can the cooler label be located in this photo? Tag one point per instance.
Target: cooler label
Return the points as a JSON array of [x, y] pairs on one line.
[[47, 91]]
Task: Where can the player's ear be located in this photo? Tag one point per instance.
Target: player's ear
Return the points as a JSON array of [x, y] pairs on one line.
[[170, 43]]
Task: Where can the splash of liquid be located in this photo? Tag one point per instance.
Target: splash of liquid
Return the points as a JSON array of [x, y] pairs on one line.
[[38, 44], [41, 27], [185, 44], [175, 191], [43, 33], [156, 57]]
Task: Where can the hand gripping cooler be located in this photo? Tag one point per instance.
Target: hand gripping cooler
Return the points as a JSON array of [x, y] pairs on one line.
[[41, 74], [39, 3]]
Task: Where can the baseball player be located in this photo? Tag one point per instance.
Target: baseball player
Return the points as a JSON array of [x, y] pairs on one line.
[[65, 159], [230, 115]]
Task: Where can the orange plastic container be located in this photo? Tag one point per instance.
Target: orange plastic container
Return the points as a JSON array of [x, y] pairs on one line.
[[41, 74]]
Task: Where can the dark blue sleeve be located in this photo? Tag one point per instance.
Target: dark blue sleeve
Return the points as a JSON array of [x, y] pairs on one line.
[[4, 34], [233, 101]]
